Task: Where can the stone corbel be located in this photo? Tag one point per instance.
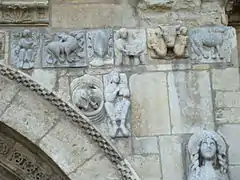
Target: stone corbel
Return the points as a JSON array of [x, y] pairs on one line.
[[32, 12]]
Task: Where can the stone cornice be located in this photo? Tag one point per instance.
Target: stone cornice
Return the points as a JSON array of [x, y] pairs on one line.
[[17, 4]]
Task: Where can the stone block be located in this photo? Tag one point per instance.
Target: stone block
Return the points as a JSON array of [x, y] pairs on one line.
[[130, 46], [162, 5], [63, 90], [100, 47], [86, 16], [97, 168], [68, 146], [228, 115], [150, 111], [123, 145], [225, 79], [190, 101], [7, 92], [213, 44], [45, 77], [145, 145], [25, 48], [234, 172], [4, 41], [227, 99], [171, 157], [231, 133], [146, 166], [30, 115], [64, 49]]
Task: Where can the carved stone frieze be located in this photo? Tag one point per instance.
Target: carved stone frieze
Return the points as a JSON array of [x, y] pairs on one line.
[[87, 95], [25, 48], [117, 103], [100, 47], [65, 49], [168, 41], [130, 46], [208, 154], [24, 12], [211, 44], [23, 163]]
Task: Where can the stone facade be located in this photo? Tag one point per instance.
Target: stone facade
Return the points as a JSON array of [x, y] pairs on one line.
[[128, 83]]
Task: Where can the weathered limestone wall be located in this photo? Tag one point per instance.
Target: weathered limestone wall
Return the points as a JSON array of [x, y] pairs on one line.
[[170, 98]]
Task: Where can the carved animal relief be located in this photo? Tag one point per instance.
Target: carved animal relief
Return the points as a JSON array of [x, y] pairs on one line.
[[25, 47], [168, 41], [130, 47], [100, 47], [117, 103], [24, 12], [64, 49], [87, 95], [212, 44], [208, 153]]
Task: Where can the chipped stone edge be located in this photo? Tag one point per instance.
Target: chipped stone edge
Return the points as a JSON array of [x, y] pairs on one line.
[[122, 165]]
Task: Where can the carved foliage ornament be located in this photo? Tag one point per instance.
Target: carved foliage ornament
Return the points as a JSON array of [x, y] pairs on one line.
[[208, 154], [15, 12]]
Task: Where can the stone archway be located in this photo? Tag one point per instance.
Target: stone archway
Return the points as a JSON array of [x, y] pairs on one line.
[[59, 129], [20, 159]]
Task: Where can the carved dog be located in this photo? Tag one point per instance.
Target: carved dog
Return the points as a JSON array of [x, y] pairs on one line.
[[210, 37], [62, 49]]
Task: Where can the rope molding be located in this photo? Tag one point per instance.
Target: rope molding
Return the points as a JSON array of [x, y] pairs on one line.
[[123, 166]]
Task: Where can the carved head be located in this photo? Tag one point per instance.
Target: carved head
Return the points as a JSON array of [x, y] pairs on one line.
[[207, 146], [26, 33], [123, 33], [115, 77], [182, 31], [169, 35]]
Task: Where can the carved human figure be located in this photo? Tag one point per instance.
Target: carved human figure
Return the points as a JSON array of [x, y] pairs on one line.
[[181, 42], [117, 104], [207, 42], [156, 44], [128, 47], [207, 150], [25, 49]]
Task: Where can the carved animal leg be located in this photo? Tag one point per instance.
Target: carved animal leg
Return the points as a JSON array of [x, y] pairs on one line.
[[142, 59], [136, 60], [126, 60], [22, 55], [29, 55], [218, 48], [197, 48], [114, 129]]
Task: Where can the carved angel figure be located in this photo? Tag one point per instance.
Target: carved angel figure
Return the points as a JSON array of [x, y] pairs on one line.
[[127, 47], [207, 150], [117, 104]]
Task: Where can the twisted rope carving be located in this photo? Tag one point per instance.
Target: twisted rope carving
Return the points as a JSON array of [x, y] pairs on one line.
[[122, 165]]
